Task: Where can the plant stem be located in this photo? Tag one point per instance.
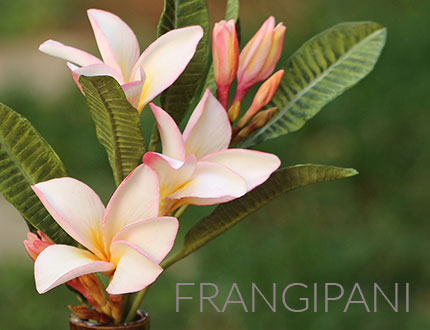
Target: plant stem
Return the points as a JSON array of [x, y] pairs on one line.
[[135, 305], [172, 259], [126, 305], [180, 211]]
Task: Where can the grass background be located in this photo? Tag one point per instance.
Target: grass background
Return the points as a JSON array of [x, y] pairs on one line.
[[371, 228]]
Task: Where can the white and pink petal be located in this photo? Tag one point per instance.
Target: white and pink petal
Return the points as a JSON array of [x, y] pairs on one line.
[[76, 208], [171, 136], [165, 59], [71, 54], [208, 129], [212, 181], [155, 237], [116, 41], [172, 173], [98, 70], [136, 199], [58, 264], [132, 91], [254, 167], [134, 269]]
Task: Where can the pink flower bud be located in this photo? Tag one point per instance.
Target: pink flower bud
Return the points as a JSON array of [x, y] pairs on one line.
[[34, 246], [258, 121], [234, 112], [87, 285], [225, 52], [259, 57], [264, 95]]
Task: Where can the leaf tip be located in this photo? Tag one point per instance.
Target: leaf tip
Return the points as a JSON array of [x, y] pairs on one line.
[[350, 172]]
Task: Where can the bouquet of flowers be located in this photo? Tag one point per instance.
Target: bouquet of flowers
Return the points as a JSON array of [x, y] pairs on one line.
[[110, 256]]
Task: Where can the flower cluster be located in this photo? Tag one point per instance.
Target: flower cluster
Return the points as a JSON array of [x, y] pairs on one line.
[[255, 63], [127, 240]]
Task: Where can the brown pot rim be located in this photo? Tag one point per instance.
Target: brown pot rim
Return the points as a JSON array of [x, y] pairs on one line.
[[84, 325]]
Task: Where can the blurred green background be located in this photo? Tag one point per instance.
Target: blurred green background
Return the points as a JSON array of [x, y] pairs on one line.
[[372, 228]]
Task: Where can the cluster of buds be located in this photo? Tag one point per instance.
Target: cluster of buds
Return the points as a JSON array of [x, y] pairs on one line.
[[255, 63], [103, 308]]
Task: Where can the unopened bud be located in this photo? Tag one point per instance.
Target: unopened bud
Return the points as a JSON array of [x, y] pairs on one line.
[[234, 112], [85, 313], [264, 95], [35, 245], [116, 304], [259, 120], [259, 57], [225, 52], [92, 286]]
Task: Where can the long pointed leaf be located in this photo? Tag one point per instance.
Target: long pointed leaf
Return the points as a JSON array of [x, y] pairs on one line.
[[232, 10], [177, 99], [117, 124], [229, 214], [26, 159], [322, 69]]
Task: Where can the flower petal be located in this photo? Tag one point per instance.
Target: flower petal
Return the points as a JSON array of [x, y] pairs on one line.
[[58, 264], [77, 56], [203, 201], [116, 41], [76, 208], [132, 92], [133, 89], [97, 70], [134, 270], [154, 236], [253, 166], [75, 76], [165, 59], [171, 137], [212, 181], [172, 173], [136, 199], [208, 129]]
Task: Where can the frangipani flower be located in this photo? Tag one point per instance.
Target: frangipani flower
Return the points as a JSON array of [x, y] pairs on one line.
[[126, 241], [142, 78], [259, 57], [197, 167]]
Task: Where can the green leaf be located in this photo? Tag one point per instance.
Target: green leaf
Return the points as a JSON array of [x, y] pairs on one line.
[[210, 81], [232, 10], [117, 124], [26, 159], [177, 99], [229, 214], [322, 69]]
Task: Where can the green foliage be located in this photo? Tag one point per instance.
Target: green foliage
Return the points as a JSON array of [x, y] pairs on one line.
[[232, 10], [229, 214], [177, 14], [322, 69], [26, 159], [117, 124]]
